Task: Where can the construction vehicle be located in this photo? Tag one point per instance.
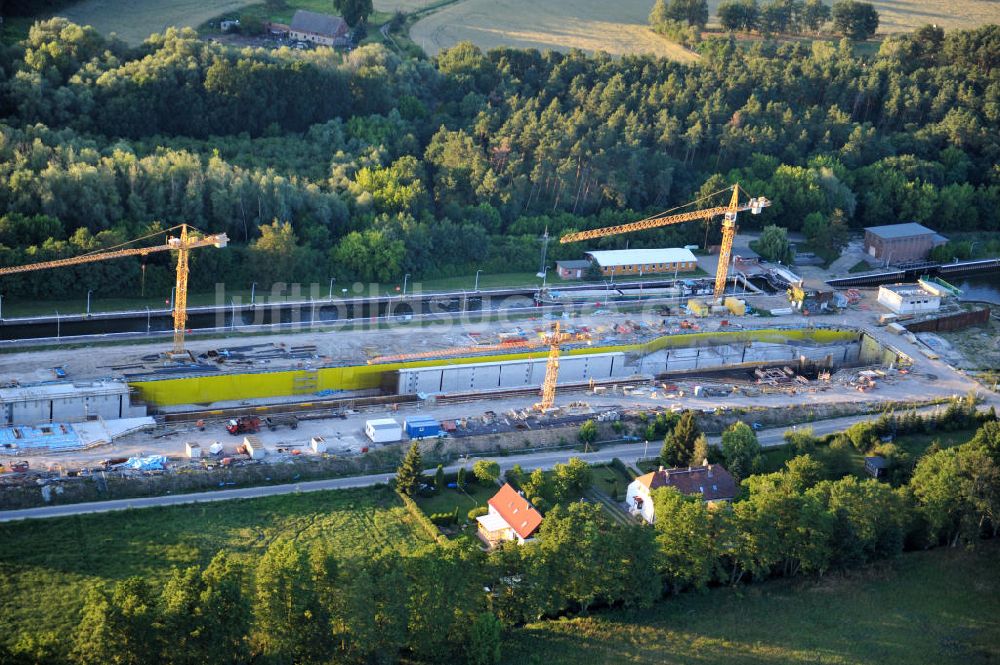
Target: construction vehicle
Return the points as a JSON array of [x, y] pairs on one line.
[[754, 205], [19, 467], [182, 244], [243, 425], [274, 422]]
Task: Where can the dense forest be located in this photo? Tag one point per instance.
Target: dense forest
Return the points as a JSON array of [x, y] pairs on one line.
[[366, 166], [448, 602]]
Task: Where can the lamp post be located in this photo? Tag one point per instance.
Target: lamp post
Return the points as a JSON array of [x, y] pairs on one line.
[[477, 280], [232, 303], [147, 319], [607, 292], [89, 291], [58, 332], [330, 295], [253, 292], [406, 278], [172, 290]]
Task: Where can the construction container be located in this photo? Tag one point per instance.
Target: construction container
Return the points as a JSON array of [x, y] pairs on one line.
[[697, 307], [719, 309], [736, 306], [422, 427], [216, 448], [887, 318], [383, 430], [896, 328], [781, 311], [193, 450], [318, 444], [254, 447]]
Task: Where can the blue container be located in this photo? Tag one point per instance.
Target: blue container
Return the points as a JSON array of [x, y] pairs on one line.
[[422, 427]]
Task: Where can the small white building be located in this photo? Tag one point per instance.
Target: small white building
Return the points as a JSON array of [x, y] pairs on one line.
[[711, 481], [383, 430], [193, 450], [255, 447], [318, 444], [908, 299]]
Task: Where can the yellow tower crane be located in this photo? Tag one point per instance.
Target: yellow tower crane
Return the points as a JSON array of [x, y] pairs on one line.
[[754, 205], [183, 244], [551, 369]]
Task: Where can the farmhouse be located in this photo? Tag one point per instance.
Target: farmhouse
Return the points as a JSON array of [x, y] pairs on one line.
[[644, 261], [711, 481], [510, 517], [899, 243], [321, 29]]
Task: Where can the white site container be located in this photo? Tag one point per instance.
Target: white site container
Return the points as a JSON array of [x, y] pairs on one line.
[[255, 448], [384, 430], [216, 448], [193, 450], [318, 444]]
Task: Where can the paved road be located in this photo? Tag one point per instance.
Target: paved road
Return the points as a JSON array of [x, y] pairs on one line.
[[629, 453]]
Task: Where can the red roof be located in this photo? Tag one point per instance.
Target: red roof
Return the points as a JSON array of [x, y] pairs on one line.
[[712, 482], [516, 511]]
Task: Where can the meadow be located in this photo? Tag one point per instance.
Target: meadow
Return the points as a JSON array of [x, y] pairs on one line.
[[620, 28], [934, 607], [591, 25], [47, 565]]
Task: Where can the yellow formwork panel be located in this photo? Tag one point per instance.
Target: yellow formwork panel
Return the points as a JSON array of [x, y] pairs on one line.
[[233, 387]]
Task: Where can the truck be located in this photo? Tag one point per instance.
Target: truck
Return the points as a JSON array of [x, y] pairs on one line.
[[243, 425], [274, 422]]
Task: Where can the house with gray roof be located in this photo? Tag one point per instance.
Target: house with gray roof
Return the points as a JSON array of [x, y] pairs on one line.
[[900, 243], [320, 29]]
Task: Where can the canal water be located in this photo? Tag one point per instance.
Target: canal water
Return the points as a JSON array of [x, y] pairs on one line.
[[983, 287]]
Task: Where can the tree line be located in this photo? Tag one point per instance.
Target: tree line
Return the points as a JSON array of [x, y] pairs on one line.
[[384, 166]]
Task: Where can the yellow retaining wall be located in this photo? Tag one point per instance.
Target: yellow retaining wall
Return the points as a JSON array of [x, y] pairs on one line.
[[231, 387]]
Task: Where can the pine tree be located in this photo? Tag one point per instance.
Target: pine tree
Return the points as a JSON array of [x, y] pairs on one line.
[[678, 446], [409, 471], [439, 479], [700, 450]]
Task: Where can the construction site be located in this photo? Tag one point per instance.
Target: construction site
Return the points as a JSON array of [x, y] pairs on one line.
[[519, 378]]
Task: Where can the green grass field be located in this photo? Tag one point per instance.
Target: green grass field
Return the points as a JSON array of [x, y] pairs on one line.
[[46, 565], [936, 607]]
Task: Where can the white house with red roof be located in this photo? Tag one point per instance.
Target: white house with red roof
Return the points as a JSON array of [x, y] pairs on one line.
[[510, 517], [711, 481]]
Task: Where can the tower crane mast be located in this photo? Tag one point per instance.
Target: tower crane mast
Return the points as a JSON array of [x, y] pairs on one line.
[[183, 244], [754, 205]]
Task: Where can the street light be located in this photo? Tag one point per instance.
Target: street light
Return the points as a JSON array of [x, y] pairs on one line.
[[89, 291], [147, 319], [172, 290], [232, 302], [330, 295], [253, 290], [58, 334], [406, 278], [477, 279]]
